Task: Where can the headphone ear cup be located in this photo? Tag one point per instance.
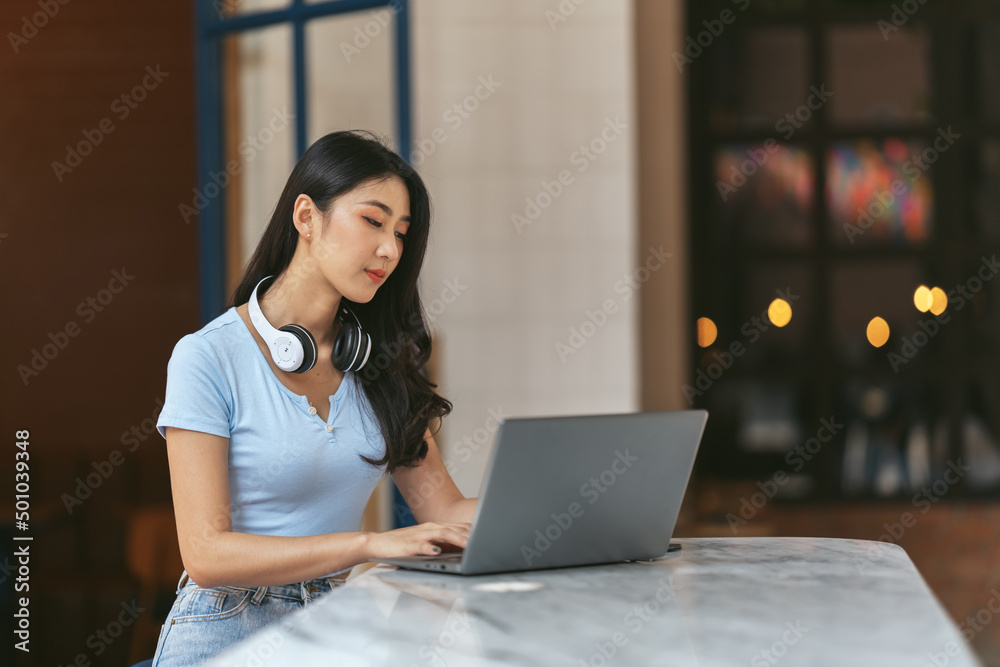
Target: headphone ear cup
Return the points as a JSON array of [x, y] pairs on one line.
[[366, 349], [346, 347], [309, 352]]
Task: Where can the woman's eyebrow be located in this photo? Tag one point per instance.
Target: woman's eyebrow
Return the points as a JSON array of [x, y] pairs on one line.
[[388, 211]]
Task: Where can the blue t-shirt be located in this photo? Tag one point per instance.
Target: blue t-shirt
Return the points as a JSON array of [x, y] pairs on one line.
[[290, 473]]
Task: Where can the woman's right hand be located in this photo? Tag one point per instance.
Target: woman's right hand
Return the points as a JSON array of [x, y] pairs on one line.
[[419, 540]]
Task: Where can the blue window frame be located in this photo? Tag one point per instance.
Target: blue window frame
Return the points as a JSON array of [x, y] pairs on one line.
[[209, 32]]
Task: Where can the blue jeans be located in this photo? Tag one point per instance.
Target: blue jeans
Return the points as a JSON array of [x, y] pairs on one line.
[[204, 622]]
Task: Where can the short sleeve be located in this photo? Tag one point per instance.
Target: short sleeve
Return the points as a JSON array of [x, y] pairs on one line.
[[198, 397]]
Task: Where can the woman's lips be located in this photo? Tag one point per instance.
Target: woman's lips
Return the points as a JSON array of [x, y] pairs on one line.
[[375, 277]]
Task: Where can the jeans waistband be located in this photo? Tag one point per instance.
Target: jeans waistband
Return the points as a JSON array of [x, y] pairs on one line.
[[303, 590]]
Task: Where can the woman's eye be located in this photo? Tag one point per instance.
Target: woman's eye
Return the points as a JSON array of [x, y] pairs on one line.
[[377, 224]]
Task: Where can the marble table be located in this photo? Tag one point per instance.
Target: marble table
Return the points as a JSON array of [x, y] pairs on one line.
[[718, 601]]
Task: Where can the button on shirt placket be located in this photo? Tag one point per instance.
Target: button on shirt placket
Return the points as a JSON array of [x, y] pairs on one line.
[[328, 427]]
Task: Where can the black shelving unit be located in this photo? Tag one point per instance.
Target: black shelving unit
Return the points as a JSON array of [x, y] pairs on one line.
[[898, 90]]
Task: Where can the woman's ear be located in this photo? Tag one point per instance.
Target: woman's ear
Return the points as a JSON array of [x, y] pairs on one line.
[[304, 214]]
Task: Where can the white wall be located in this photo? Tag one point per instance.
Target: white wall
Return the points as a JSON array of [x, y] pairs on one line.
[[520, 293], [500, 299]]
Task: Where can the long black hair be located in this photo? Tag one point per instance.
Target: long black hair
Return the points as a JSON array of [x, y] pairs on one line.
[[402, 399]]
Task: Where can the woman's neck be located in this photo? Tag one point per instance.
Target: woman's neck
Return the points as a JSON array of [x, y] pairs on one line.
[[308, 301]]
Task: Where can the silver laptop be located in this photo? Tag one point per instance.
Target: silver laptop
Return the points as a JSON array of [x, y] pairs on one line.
[[565, 491]]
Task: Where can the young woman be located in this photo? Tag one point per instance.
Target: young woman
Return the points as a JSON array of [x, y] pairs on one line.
[[275, 446]]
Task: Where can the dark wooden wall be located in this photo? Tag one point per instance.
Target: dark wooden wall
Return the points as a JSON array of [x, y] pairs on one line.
[[63, 237]]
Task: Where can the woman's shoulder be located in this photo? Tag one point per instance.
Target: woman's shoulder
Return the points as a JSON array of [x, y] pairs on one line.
[[214, 340]]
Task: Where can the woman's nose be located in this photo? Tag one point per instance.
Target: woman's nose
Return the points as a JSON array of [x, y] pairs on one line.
[[389, 249]]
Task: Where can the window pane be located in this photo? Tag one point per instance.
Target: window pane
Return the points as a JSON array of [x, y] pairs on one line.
[[261, 135], [769, 417], [863, 290], [350, 80], [895, 436], [877, 80], [879, 192], [772, 334], [765, 196], [767, 333], [760, 77]]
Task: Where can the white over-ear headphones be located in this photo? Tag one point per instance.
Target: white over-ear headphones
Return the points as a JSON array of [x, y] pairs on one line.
[[293, 348]]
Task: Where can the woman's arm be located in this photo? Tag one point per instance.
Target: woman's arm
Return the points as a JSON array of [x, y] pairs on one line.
[[430, 492], [460, 511], [213, 555]]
